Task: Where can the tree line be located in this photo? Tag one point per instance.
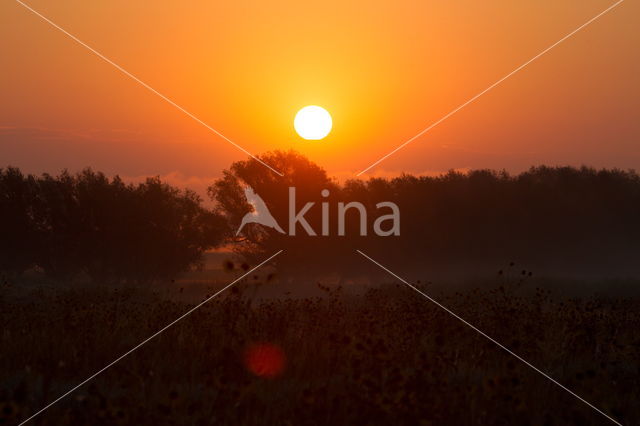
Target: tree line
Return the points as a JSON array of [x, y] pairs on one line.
[[102, 227], [575, 221], [567, 221]]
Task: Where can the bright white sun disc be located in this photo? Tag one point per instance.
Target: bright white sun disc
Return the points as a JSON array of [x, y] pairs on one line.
[[313, 122]]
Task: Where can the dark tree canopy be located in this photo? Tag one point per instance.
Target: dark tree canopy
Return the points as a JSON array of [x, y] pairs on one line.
[[109, 230], [257, 242], [561, 220], [556, 220]]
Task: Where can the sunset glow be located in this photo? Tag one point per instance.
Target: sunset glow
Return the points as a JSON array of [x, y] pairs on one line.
[[387, 72]]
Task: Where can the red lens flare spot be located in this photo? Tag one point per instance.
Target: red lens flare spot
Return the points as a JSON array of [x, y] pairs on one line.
[[265, 360]]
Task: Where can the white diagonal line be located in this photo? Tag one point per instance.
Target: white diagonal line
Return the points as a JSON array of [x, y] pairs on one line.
[[422, 132], [450, 312], [133, 77], [147, 339]]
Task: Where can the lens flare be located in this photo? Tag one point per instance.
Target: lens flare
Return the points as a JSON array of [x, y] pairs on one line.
[[265, 360]]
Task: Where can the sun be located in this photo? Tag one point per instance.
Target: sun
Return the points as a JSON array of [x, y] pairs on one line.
[[313, 122]]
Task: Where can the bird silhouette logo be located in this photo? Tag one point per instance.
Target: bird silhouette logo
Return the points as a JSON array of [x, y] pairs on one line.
[[260, 213]]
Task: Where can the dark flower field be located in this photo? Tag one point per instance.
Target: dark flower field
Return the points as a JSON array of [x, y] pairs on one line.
[[387, 356]]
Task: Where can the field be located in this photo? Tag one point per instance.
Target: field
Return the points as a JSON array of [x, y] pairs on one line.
[[384, 356]]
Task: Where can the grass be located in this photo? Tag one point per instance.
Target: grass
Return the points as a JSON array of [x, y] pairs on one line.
[[386, 356]]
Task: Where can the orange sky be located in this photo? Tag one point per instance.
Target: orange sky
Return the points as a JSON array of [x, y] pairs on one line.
[[384, 70]]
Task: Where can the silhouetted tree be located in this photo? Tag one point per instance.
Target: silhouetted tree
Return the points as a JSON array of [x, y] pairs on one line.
[[304, 253], [17, 234]]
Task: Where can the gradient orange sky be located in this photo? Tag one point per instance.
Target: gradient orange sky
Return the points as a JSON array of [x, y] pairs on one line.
[[384, 70]]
